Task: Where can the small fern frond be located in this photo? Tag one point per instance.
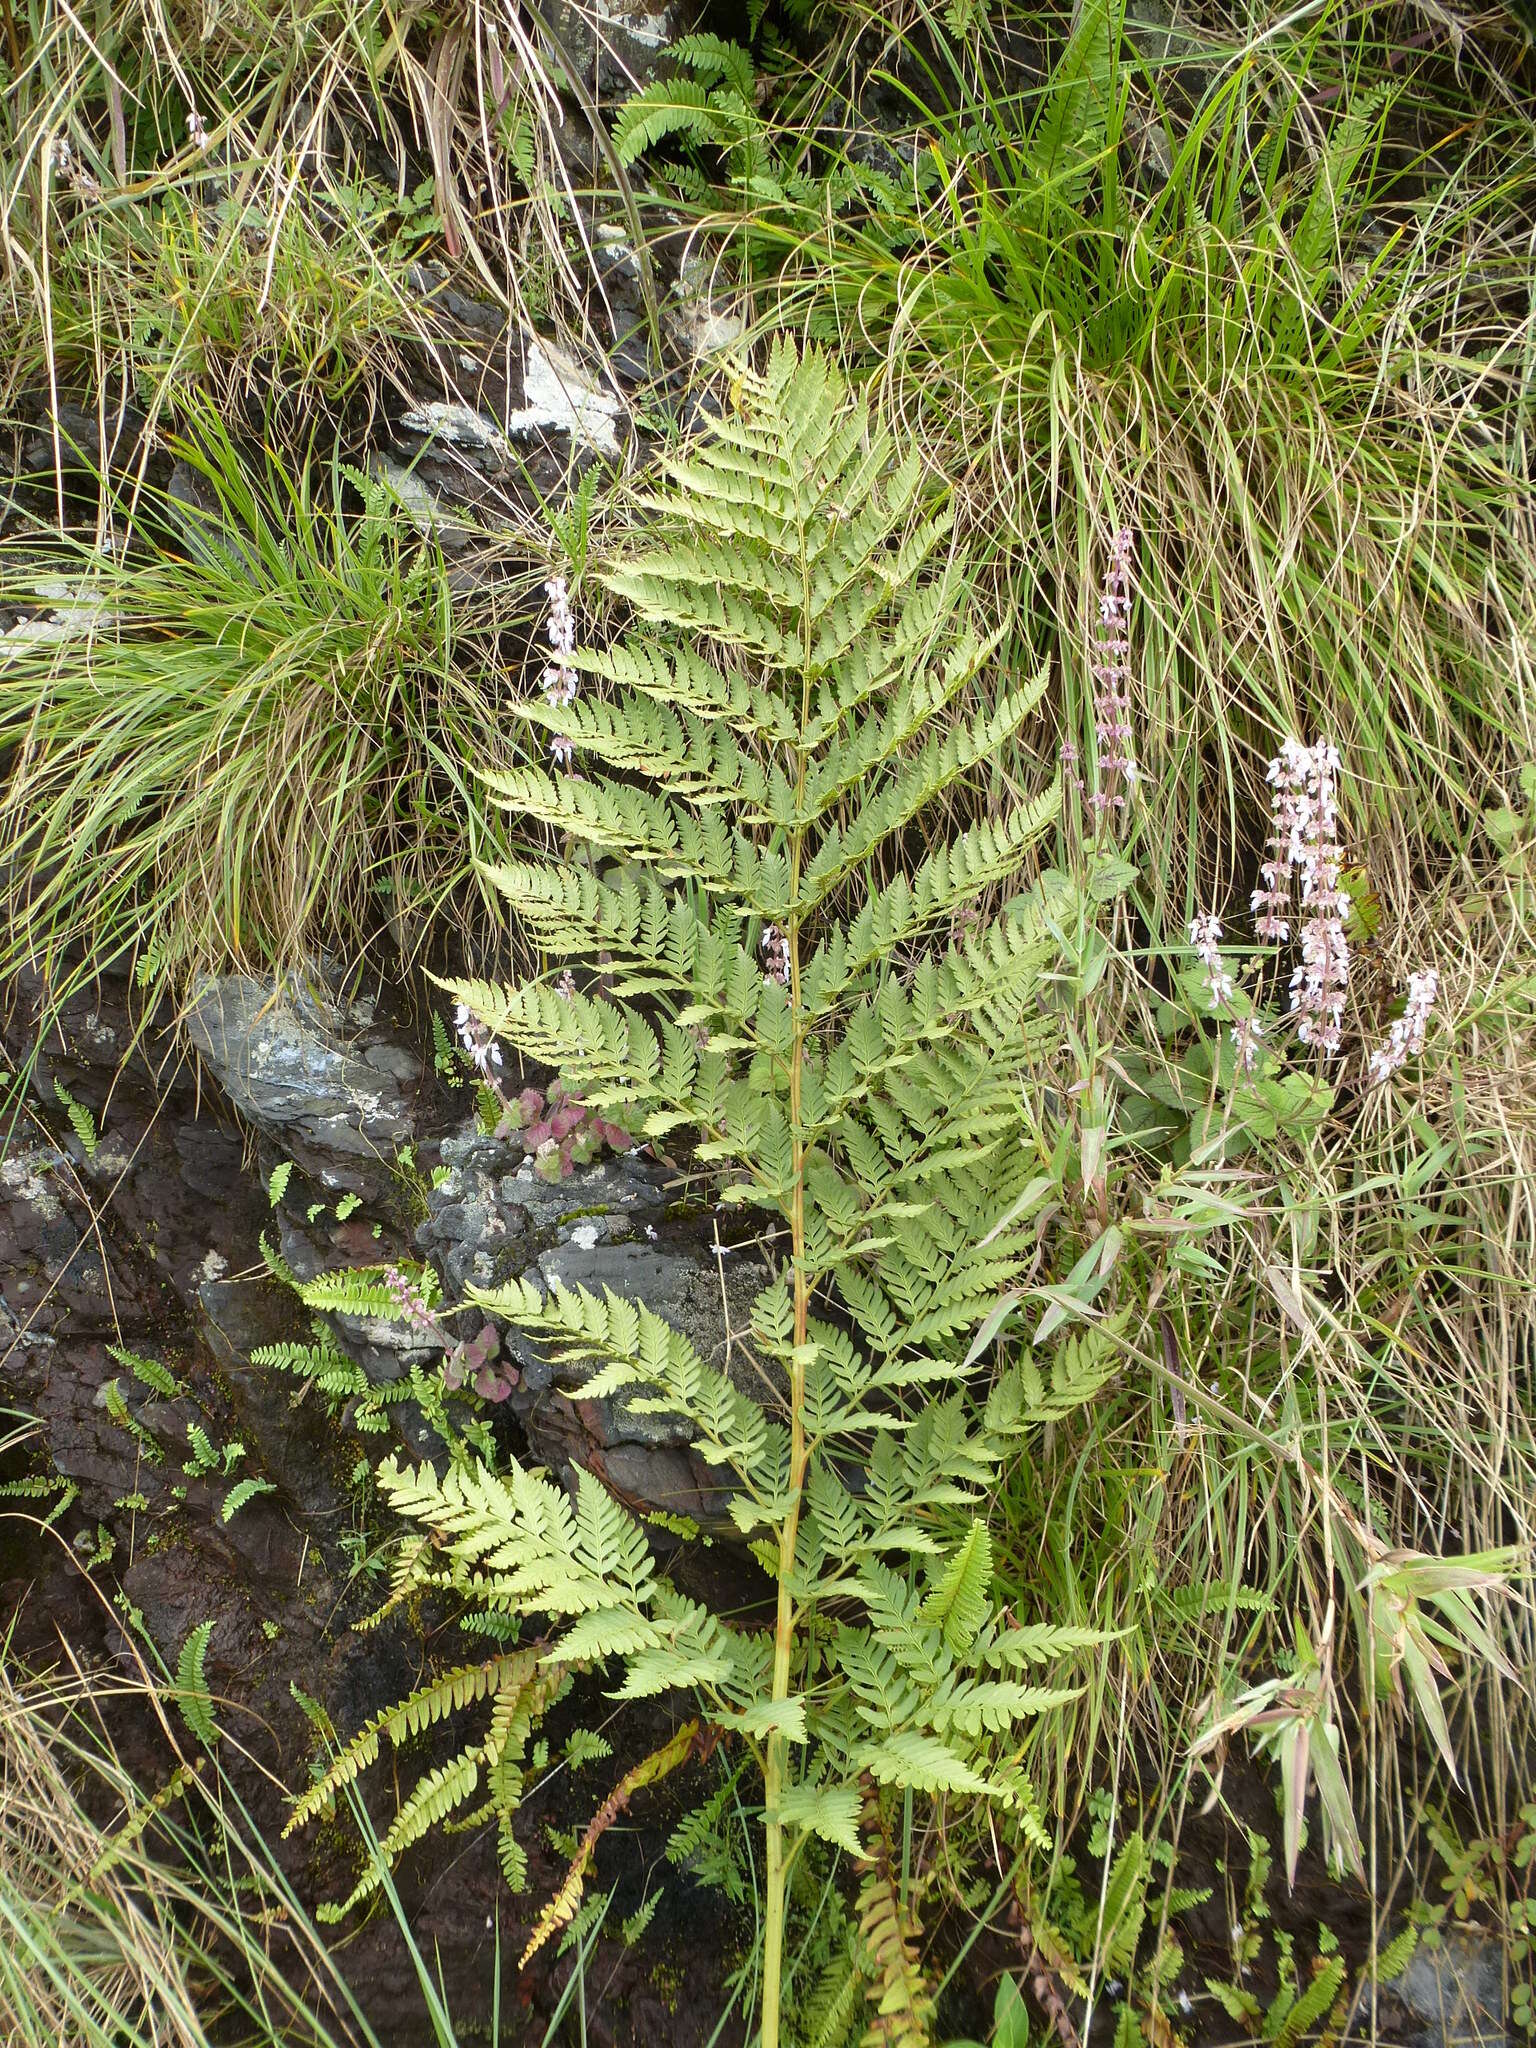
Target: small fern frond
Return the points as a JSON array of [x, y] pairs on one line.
[[241, 1495], [81, 1122], [193, 1699], [836, 2003], [562, 1907], [435, 1796], [673, 106]]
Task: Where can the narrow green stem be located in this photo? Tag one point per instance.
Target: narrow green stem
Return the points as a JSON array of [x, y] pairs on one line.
[[774, 1774], [784, 1622]]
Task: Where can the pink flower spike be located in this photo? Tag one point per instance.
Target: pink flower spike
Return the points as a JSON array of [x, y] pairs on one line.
[[1205, 939], [1304, 842], [1405, 1038], [1117, 770]]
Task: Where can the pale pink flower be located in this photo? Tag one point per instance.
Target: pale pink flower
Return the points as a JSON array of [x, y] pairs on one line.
[[775, 951], [1246, 1034], [77, 175], [560, 680], [1405, 1039], [1110, 667], [476, 1039], [1205, 938], [1304, 843], [413, 1302]]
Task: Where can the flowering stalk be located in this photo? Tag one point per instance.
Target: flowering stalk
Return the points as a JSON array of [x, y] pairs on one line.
[[1406, 1037], [75, 174], [1245, 1035], [1220, 988], [1116, 760], [1304, 842], [560, 682], [1205, 938], [479, 1042]]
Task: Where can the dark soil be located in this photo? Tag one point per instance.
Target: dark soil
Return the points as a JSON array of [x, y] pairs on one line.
[[114, 1251]]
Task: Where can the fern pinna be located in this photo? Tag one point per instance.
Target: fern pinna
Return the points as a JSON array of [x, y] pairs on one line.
[[781, 724]]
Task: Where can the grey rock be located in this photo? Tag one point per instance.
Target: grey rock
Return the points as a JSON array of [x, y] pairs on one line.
[[491, 1217], [1453, 1994], [110, 442], [422, 505], [289, 1062], [661, 1478], [613, 1225], [702, 317], [396, 1060], [479, 316], [615, 44], [560, 397], [679, 1283], [496, 426]]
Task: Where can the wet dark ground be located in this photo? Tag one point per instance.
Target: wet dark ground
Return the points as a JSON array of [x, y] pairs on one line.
[[153, 1244]]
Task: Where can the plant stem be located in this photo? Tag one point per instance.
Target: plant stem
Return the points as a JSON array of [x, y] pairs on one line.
[[784, 1621], [784, 1624]]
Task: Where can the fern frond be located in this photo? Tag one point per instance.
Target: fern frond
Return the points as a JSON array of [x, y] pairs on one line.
[[562, 1907], [193, 1699], [836, 2003], [429, 1704], [433, 1798], [81, 1122], [675, 106], [798, 686], [899, 1995]]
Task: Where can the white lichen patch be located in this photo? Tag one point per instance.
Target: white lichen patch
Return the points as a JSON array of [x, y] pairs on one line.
[[560, 397], [655, 31], [24, 1175], [459, 425], [74, 611], [110, 1159]]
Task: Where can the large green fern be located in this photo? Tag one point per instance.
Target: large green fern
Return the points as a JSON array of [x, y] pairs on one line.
[[780, 728]]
